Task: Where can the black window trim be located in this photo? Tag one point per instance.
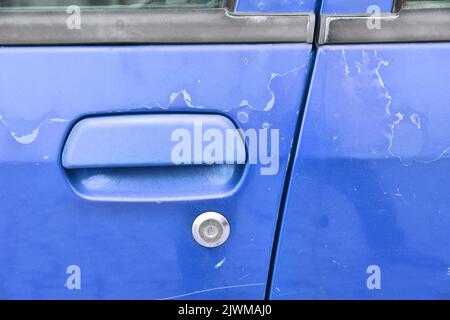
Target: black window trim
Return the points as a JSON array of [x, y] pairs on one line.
[[400, 26], [161, 26]]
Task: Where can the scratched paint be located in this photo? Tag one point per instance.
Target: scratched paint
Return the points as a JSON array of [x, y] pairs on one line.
[[369, 182], [255, 92], [136, 249]]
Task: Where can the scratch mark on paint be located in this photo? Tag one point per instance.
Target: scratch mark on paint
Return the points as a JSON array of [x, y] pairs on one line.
[[220, 263], [338, 263], [214, 289]]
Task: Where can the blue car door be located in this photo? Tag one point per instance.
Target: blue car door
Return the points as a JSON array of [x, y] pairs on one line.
[[367, 213], [92, 93], [224, 149]]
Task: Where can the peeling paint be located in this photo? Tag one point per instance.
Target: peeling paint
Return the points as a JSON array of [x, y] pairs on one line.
[[274, 76], [415, 118], [404, 133], [186, 98], [242, 116], [32, 135], [270, 104]]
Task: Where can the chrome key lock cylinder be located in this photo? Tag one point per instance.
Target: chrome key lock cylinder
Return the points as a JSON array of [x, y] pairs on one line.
[[210, 229]]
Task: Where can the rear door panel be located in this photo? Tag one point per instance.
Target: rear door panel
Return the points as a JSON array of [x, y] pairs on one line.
[[367, 211]]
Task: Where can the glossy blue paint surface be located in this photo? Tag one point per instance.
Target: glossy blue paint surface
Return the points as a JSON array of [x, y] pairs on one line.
[[355, 6], [136, 157], [146, 140], [144, 249], [276, 5], [369, 185]]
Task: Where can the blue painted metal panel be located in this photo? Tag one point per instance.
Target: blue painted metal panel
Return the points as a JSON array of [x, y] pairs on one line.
[[143, 141], [355, 6], [369, 184], [135, 157], [276, 5], [136, 249]]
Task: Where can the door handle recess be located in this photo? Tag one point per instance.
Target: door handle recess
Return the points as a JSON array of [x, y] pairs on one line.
[[154, 157]]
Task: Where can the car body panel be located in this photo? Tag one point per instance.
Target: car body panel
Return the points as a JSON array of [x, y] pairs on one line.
[[368, 191], [132, 249], [276, 6], [355, 6]]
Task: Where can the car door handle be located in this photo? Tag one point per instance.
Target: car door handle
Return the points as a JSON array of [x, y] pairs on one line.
[[147, 140], [138, 156]]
